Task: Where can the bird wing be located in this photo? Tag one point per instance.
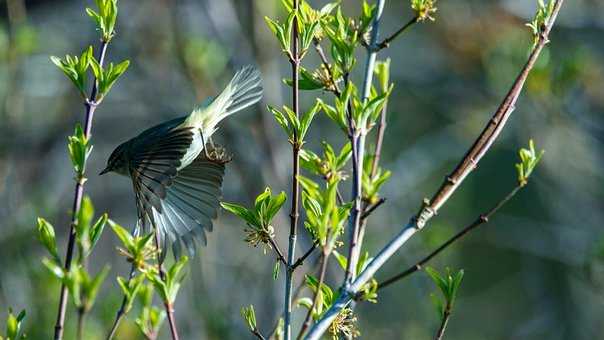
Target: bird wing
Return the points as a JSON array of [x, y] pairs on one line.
[[179, 203]]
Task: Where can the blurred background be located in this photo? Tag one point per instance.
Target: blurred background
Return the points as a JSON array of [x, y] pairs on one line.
[[535, 272]]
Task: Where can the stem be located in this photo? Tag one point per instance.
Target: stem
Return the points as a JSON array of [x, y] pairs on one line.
[[444, 322], [325, 63], [80, 329], [369, 210], [358, 149], [308, 318], [121, 312], [167, 304], [429, 209], [291, 252], [480, 220], [278, 251], [77, 202], [386, 42], [257, 334], [300, 260]]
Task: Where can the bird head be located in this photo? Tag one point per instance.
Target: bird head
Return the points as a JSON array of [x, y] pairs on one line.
[[118, 161]]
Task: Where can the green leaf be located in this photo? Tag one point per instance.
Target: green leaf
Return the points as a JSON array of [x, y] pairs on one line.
[[276, 269], [249, 315], [13, 325], [306, 120], [75, 68], [342, 260], [240, 212], [123, 235], [97, 230], [46, 235], [92, 285], [55, 268], [529, 159], [79, 151]]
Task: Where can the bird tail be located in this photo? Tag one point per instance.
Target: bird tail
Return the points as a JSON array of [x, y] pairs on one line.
[[243, 90]]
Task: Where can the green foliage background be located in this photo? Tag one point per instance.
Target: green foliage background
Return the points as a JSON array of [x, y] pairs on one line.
[[535, 272]]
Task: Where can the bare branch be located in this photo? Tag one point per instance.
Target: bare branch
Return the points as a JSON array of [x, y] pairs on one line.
[[386, 42], [482, 219]]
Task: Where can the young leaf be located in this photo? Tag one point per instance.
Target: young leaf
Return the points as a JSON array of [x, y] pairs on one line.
[[46, 235]]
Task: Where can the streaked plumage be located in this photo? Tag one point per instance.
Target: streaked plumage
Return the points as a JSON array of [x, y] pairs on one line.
[[177, 187]]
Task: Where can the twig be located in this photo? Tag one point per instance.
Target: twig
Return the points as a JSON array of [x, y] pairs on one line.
[[430, 208], [308, 318], [358, 150], [162, 274], [444, 322], [369, 210], [80, 329], [325, 63], [291, 252], [302, 258], [90, 105], [278, 251], [121, 312], [257, 334], [482, 219], [386, 42]]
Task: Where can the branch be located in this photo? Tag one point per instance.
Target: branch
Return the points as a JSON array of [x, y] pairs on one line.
[[121, 312], [308, 318], [257, 334], [480, 220], [302, 258], [444, 322], [277, 251], [90, 105], [325, 63], [386, 42], [369, 210], [358, 150], [430, 208], [291, 252], [162, 274]]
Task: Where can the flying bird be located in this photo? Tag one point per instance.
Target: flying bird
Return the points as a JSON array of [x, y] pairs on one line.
[[177, 173]]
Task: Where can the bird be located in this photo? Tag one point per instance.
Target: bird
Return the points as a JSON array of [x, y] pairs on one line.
[[177, 172]]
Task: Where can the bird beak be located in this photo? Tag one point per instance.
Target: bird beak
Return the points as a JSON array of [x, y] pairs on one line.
[[106, 170]]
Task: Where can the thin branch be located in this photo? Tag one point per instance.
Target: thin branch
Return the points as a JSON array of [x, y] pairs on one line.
[[278, 251], [358, 151], [308, 318], [91, 106], [429, 209], [325, 63], [257, 334], [480, 220], [80, 326], [370, 209], [302, 258], [444, 322], [121, 312], [162, 274], [294, 214], [386, 42]]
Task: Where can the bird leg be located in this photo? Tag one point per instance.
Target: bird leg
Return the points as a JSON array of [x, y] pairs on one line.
[[205, 149]]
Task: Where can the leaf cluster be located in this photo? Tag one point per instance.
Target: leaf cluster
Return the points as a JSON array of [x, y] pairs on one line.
[[151, 317], [105, 17], [259, 217], [448, 284], [541, 18], [13, 326], [330, 165], [529, 158], [325, 219]]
